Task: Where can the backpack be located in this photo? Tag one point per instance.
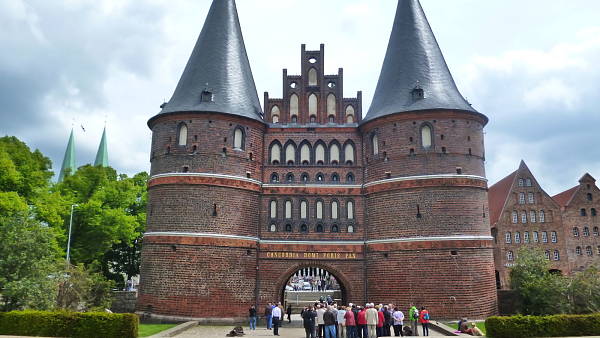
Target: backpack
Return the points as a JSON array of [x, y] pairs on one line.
[[415, 315], [426, 316]]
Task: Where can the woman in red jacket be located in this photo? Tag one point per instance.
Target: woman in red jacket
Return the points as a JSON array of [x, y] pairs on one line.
[[424, 320], [380, 321], [362, 324]]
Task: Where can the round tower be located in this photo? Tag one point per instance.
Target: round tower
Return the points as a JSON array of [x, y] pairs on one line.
[[203, 194], [428, 233]]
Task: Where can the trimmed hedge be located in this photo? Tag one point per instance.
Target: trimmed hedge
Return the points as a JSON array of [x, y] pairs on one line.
[[69, 324], [543, 326]]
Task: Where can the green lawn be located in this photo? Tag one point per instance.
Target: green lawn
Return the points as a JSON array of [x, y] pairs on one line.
[[480, 325], [150, 329]]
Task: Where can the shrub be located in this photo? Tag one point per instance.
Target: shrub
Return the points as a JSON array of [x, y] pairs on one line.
[[543, 326], [68, 324]]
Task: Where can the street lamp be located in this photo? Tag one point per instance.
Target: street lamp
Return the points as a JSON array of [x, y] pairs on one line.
[[69, 240]]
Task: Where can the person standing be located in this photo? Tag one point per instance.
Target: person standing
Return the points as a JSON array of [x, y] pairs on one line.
[[398, 322], [341, 322], [276, 314], [424, 320], [252, 317], [268, 315], [329, 322], [320, 322], [388, 320], [362, 323], [413, 315], [350, 322], [308, 319], [372, 319], [289, 313], [380, 321]]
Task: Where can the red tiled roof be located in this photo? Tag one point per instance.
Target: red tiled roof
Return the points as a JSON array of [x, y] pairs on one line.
[[497, 195], [564, 197]]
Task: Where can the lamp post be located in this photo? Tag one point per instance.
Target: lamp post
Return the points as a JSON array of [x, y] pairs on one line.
[[69, 239]]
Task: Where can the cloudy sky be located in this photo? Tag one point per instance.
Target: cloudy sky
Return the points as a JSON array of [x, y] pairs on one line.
[[531, 66]]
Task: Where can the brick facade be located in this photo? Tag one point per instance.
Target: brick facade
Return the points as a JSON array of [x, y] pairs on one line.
[[524, 215]]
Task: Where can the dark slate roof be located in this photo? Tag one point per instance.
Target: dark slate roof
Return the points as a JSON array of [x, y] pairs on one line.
[[414, 59], [218, 64]]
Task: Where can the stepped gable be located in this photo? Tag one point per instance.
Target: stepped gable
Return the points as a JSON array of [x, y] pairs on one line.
[[414, 64], [217, 77]]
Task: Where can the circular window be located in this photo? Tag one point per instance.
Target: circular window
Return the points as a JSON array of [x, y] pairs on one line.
[[293, 85], [331, 84], [312, 60]]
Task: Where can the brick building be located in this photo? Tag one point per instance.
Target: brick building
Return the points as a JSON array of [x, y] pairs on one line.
[[393, 204], [565, 226]]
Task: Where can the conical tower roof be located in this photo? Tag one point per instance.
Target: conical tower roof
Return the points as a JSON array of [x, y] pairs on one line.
[[220, 68], [414, 62], [68, 164], [102, 154]]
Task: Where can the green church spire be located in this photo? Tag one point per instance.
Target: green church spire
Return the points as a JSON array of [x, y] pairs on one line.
[[102, 155], [68, 165]]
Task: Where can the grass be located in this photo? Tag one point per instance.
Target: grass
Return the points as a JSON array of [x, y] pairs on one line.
[[147, 330], [480, 325]]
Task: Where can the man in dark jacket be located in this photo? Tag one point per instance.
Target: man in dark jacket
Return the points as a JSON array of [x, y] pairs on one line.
[[268, 318], [329, 318], [387, 319], [308, 318]]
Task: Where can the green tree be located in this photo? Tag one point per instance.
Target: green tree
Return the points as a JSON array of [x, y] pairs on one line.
[[540, 291], [28, 263], [82, 289], [584, 291]]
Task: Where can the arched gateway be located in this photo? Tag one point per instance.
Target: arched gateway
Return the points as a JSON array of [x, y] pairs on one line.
[[394, 204]]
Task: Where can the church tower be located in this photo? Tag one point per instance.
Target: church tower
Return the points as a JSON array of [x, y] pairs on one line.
[[102, 154], [68, 165], [425, 186], [203, 202]]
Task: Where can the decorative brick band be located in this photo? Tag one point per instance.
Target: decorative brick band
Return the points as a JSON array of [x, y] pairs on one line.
[[201, 239], [229, 181], [426, 181], [312, 189]]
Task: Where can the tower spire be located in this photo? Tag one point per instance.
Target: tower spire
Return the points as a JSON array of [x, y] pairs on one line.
[[68, 165], [217, 77], [102, 154], [414, 75]]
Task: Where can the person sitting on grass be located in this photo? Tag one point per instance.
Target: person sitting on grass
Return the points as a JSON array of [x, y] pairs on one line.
[[474, 330], [463, 325]]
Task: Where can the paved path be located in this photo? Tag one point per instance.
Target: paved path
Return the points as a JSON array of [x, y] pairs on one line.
[[221, 331]]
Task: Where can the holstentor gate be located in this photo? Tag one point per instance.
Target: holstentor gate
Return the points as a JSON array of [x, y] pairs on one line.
[[393, 204]]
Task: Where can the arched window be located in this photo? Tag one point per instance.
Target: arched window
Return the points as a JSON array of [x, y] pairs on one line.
[[526, 237], [530, 198], [320, 178], [312, 77], [331, 105], [544, 237], [349, 153], [508, 237], [305, 154], [274, 178], [556, 255], [586, 231], [320, 154], [582, 212], [523, 217], [517, 237], [273, 228], [375, 144], [575, 232], [532, 216], [288, 228], [350, 209], [334, 210], [312, 104], [521, 198], [528, 182], [521, 182], [426, 136], [293, 106], [350, 228], [313, 119], [335, 177], [350, 114], [334, 154], [290, 154], [547, 254], [319, 210], [288, 209], [542, 216], [515, 217], [275, 114], [304, 178], [275, 153], [553, 237], [303, 209], [289, 178], [304, 228], [331, 118], [238, 139], [510, 256], [319, 228], [590, 197], [182, 134], [578, 251], [350, 178], [273, 209], [593, 211], [596, 233], [536, 237], [335, 228]]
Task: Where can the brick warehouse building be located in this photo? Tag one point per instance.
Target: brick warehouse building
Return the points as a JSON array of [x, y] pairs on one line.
[[392, 204], [564, 226]]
